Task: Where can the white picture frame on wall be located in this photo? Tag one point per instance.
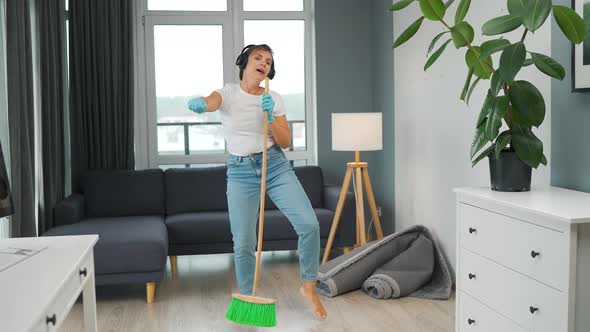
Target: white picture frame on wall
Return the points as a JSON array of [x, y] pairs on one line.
[[581, 52]]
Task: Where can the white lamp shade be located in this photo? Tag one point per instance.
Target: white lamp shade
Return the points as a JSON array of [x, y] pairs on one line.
[[357, 132]]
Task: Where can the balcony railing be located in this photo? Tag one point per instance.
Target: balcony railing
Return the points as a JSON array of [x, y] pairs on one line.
[[186, 125]]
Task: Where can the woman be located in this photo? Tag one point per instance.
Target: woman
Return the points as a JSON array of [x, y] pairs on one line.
[[241, 107]]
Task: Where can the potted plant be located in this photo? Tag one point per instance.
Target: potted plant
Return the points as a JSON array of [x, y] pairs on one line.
[[516, 103]]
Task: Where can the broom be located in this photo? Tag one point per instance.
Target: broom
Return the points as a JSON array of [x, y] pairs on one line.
[[254, 310]]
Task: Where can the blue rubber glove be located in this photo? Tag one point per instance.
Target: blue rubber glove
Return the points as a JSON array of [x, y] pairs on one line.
[[197, 105], [268, 105]]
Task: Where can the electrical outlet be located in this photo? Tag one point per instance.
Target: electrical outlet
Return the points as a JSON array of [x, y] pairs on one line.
[[379, 211]]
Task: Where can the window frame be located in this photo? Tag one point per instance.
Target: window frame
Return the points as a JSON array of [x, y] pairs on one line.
[[232, 20]]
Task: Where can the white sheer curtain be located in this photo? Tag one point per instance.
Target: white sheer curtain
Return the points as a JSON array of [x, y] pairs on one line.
[[4, 223]]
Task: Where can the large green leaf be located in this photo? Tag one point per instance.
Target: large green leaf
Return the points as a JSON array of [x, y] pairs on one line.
[[433, 10], [400, 5], [486, 109], [511, 61], [462, 34], [537, 12], [479, 140], [570, 24], [434, 40], [462, 10], [527, 62], [492, 46], [482, 68], [503, 139], [496, 83], [408, 33], [466, 85], [501, 25], [528, 106], [517, 7], [495, 117], [527, 146], [548, 66], [533, 13], [436, 55]]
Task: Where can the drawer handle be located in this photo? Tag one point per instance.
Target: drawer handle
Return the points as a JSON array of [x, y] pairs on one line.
[[535, 253], [51, 320], [470, 321], [83, 272], [472, 230], [471, 276], [533, 310]]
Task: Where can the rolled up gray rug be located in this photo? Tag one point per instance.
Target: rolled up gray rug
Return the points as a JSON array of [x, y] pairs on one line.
[[404, 273], [349, 271]]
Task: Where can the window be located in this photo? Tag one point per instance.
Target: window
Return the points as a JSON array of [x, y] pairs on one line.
[[183, 70], [180, 5], [273, 5], [190, 49]]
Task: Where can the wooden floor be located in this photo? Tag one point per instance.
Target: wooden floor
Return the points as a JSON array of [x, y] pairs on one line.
[[197, 298]]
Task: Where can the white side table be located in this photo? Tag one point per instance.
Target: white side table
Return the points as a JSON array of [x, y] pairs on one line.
[[37, 293]]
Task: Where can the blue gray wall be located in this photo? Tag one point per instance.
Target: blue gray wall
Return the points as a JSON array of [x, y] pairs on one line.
[[382, 168], [570, 122], [354, 64]]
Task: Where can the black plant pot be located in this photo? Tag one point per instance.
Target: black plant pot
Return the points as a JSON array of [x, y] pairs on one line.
[[509, 173]]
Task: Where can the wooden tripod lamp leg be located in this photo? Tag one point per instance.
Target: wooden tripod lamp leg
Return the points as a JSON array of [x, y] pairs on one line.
[[360, 209], [337, 214], [372, 205]]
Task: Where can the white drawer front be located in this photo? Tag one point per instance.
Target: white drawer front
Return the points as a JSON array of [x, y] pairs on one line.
[[87, 266], [532, 305], [476, 317], [535, 251], [63, 302]]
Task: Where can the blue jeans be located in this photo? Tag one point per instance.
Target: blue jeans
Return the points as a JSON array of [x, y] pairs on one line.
[[283, 187]]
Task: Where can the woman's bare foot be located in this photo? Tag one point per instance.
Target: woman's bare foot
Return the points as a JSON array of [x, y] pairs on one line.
[[308, 291]]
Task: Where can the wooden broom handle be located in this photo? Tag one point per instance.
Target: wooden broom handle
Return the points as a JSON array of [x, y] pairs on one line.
[[262, 194]]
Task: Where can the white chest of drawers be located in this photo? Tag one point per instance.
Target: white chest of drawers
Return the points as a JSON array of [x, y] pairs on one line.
[[523, 260]]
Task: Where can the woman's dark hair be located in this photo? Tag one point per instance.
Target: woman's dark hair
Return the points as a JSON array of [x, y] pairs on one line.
[[242, 59]]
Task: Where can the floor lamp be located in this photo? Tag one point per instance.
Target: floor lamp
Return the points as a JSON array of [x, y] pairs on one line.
[[356, 132]]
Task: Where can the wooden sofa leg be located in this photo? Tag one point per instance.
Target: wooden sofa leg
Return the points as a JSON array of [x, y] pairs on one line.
[[151, 290], [173, 265], [346, 249]]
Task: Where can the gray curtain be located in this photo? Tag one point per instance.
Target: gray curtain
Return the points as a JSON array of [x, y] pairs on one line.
[[101, 73], [19, 65], [52, 75]]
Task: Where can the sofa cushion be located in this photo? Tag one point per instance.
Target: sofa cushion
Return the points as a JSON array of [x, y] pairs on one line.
[[199, 227], [312, 181], [214, 227], [117, 193], [125, 244], [195, 190]]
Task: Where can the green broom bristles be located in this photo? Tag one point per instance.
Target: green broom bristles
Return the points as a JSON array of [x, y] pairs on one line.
[[254, 314]]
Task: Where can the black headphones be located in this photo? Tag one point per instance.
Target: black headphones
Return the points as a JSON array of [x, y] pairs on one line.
[[242, 59]]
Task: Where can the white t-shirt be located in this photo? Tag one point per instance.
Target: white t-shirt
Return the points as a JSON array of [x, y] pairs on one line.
[[242, 119]]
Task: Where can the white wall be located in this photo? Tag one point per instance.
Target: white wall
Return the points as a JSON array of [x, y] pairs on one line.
[[434, 129]]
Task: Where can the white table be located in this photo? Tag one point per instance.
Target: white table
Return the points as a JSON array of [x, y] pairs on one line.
[[37, 293]]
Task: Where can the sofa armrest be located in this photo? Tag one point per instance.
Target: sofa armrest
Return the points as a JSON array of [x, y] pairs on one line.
[[69, 211], [346, 233]]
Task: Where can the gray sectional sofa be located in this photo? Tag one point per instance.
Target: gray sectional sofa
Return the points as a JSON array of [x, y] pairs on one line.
[[144, 216]]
